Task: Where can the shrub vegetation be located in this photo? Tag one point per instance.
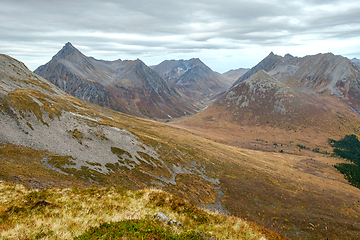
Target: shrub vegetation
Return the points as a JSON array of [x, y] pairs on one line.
[[113, 213], [348, 148]]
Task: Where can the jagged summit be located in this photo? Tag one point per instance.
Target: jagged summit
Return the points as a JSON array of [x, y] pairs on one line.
[[266, 64], [324, 74], [173, 69], [193, 78], [67, 50], [263, 100], [127, 86]]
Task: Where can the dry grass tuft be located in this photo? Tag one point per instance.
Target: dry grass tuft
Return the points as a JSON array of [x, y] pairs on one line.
[[66, 213]]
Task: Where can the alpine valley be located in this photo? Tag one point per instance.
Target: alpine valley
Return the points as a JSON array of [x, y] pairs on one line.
[[258, 152]]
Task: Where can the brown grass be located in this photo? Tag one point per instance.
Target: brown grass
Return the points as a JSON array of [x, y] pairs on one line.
[[67, 213], [297, 193]]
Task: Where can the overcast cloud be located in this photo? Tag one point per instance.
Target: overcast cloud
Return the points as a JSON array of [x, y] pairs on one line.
[[225, 34]]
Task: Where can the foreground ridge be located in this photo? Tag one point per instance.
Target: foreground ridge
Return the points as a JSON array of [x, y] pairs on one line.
[[66, 213]]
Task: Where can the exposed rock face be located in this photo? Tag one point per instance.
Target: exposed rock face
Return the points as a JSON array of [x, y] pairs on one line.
[[126, 86], [193, 78], [324, 74]]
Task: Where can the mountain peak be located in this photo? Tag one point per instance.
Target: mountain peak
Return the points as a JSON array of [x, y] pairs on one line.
[[266, 64], [66, 50], [196, 60], [69, 45]]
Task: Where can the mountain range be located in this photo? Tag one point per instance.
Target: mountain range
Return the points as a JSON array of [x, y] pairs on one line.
[[49, 138], [193, 78], [262, 107], [325, 74], [126, 86]]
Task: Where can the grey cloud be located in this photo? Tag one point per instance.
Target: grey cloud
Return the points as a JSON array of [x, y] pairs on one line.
[[171, 26]]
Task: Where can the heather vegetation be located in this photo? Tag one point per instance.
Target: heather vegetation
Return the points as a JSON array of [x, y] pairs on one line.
[[348, 148], [136, 229], [112, 213]]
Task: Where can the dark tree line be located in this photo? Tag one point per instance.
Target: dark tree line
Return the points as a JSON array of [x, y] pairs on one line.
[[348, 148]]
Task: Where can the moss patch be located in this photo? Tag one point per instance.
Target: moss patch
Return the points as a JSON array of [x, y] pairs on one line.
[[119, 152]]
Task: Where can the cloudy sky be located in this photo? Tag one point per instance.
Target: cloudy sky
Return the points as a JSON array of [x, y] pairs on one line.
[[225, 34]]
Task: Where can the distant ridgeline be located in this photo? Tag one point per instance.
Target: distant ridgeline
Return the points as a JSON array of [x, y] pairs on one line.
[[349, 148]]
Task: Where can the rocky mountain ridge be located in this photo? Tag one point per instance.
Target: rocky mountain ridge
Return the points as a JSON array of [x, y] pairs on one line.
[[325, 74], [126, 86], [173, 69], [262, 107], [262, 99], [193, 78]]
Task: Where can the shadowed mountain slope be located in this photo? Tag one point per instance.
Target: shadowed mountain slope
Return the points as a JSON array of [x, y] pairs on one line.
[[356, 61], [193, 78], [235, 74], [51, 139], [126, 86]]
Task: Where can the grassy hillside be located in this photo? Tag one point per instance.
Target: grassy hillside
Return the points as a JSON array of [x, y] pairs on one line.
[[67, 213], [50, 139]]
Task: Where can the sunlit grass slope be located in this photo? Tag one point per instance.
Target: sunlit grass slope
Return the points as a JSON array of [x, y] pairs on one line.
[[67, 213]]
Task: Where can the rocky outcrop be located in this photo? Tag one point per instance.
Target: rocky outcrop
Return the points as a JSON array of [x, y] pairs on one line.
[[127, 86]]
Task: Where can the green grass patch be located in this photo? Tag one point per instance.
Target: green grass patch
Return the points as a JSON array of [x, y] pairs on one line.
[[136, 229], [119, 152], [60, 161]]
